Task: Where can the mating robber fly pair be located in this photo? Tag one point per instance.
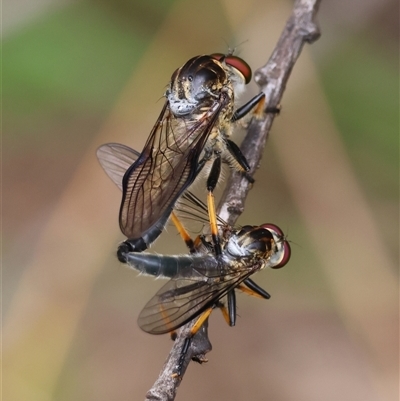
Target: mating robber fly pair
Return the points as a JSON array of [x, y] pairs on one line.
[[191, 132]]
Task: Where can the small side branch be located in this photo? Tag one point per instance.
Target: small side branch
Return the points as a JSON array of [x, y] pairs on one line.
[[166, 385], [300, 28]]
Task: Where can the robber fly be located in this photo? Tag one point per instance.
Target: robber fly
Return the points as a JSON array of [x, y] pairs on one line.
[[200, 280], [193, 128]]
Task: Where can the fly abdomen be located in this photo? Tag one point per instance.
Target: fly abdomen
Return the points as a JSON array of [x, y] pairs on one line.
[[157, 265]]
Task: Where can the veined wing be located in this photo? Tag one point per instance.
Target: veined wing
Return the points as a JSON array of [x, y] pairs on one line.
[[116, 158], [153, 180], [187, 295], [165, 168]]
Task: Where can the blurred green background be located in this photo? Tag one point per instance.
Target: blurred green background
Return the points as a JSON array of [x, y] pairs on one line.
[[77, 74]]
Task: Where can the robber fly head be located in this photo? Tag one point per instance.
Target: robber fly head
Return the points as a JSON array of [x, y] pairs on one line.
[[280, 247], [202, 79], [266, 243]]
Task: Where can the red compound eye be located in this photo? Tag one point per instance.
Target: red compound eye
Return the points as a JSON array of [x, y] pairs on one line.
[[287, 252], [283, 253], [274, 228], [235, 62]]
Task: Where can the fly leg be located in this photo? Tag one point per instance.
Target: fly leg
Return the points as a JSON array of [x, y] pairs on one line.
[[183, 233], [201, 320], [232, 307], [236, 158], [211, 184], [258, 100], [257, 103], [251, 288]]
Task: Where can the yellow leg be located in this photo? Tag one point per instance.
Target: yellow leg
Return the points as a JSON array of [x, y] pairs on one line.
[[224, 312], [182, 231], [200, 320], [212, 215]]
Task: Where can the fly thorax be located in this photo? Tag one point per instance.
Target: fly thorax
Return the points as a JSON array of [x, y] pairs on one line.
[[235, 250], [197, 85]]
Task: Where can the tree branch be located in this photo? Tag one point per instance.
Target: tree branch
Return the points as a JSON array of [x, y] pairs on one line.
[[272, 78], [300, 28]]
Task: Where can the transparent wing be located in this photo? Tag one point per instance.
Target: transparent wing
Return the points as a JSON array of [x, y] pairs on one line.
[[116, 158], [191, 208], [186, 296], [165, 168]]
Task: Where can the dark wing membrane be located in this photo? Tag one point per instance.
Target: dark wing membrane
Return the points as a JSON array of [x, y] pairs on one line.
[[115, 160], [186, 296], [164, 169]]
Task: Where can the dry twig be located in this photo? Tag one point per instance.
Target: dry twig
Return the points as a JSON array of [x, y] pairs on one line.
[[300, 28]]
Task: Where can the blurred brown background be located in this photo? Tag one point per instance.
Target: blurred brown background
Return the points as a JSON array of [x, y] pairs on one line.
[[77, 74]]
